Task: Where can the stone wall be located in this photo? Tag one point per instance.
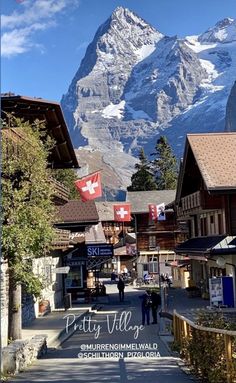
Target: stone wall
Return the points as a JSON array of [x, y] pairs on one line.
[[21, 353], [52, 291], [4, 301]]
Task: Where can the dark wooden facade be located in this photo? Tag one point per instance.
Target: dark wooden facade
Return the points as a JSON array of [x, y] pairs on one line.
[[151, 235], [206, 204]]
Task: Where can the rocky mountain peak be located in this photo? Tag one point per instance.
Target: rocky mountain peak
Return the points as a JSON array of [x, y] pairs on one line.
[[122, 15], [223, 32], [134, 84]]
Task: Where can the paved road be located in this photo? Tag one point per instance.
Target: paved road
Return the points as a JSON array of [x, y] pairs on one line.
[[136, 355]]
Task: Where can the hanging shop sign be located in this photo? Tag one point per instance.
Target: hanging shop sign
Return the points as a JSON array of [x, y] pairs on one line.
[[100, 250]]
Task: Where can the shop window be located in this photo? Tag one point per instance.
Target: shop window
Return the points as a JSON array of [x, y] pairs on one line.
[[74, 278]]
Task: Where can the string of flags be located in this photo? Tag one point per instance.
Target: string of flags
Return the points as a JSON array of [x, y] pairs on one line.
[[90, 188]]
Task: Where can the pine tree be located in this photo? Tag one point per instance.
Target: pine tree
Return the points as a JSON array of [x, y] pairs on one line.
[[164, 165], [143, 179]]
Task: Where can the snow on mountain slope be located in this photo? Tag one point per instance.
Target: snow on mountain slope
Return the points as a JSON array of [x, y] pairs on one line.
[[134, 84]]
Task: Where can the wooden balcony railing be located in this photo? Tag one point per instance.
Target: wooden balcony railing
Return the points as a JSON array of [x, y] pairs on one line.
[[61, 192], [111, 231], [191, 201], [206, 349], [61, 239]]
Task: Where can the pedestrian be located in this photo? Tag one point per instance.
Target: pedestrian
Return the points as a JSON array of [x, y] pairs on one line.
[[146, 305], [146, 279], [121, 287], [113, 276], [156, 301]]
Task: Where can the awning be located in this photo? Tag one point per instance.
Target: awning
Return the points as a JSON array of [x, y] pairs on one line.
[[207, 246]]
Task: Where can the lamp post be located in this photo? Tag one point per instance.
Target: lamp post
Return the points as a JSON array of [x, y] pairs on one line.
[[162, 327]]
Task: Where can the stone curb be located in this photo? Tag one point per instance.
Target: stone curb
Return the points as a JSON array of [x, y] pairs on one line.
[[63, 335]]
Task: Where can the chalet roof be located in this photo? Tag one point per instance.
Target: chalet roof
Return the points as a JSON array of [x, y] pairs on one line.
[[75, 213], [209, 245], [215, 154], [105, 210], [95, 234], [30, 109], [141, 199]]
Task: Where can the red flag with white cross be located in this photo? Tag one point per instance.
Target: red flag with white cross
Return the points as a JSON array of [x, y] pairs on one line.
[[122, 213], [89, 187]]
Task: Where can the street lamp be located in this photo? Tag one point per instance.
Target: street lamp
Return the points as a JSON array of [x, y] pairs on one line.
[[162, 329]]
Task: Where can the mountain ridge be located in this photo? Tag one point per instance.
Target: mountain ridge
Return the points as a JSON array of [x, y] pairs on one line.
[[134, 83]]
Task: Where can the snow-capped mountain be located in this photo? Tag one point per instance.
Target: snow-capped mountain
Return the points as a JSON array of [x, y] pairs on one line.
[[134, 83], [230, 118]]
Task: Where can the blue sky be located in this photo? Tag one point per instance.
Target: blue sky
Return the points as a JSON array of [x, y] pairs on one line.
[[43, 41]]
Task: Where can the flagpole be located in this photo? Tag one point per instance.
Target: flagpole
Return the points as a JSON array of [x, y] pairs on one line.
[[123, 233], [105, 193]]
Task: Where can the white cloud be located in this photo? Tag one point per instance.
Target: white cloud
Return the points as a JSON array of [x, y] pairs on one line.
[[18, 40], [32, 15]]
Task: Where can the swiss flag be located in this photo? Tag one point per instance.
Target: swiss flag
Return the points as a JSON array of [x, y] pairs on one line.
[[89, 187], [122, 213]]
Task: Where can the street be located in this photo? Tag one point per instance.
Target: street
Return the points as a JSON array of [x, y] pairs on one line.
[[109, 346]]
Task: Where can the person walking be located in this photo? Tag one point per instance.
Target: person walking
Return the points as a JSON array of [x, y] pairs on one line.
[[156, 301], [121, 288], [146, 305]]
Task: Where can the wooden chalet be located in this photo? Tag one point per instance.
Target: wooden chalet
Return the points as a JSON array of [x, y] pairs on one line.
[[155, 240], [121, 235], [81, 219], [31, 109], [206, 205]]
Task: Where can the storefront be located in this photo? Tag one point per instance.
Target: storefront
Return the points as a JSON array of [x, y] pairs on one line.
[[75, 280]]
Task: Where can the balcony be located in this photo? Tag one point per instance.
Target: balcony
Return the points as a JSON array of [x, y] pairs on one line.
[[60, 192], [191, 201], [111, 230], [199, 201], [61, 239]]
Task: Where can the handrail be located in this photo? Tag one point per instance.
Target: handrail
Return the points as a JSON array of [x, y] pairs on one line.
[[202, 328]]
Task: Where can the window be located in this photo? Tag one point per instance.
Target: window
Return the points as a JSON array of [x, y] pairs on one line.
[[153, 267], [220, 226], [212, 224], [152, 242], [203, 221], [74, 278]]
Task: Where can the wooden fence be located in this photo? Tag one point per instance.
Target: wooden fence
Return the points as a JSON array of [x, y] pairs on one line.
[[202, 346]]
